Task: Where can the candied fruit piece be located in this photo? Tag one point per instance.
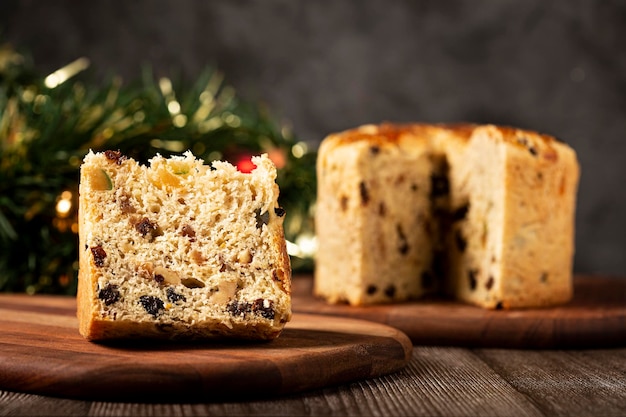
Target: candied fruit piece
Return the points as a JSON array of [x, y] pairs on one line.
[[100, 180], [188, 231], [98, 255], [147, 228], [192, 282], [115, 156], [167, 276]]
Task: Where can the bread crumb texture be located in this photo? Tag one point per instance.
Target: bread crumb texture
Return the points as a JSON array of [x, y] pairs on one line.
[[180, 249], [484, 214]]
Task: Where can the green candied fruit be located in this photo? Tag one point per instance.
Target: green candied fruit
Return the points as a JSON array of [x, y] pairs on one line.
[[100, 181]]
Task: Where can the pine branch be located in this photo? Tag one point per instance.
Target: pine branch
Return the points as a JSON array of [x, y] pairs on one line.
[[46, 128]]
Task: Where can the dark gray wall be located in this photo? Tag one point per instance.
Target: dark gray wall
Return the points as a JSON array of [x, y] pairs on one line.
[[554, 66]]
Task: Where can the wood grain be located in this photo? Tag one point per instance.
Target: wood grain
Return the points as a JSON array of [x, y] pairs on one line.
[[595, 318], [438, 381], [42, 352]]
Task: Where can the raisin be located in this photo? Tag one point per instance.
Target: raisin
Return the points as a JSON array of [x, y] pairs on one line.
[[238, 309], [262, 218], [460, 213], [371, 289], [343, 203], [182, 201], [390, 291], [404, 245], [414, 187], [173, 296], [471, 275], [439, 186], [115, 156], [109, 294], [524, 141], [279, 211], [148, 229], [192, 283], [489, 283], [499, 306], [365, 197], [461, 243], [152, 305], [125, 205], [98, 255], [375, 150], [259, 308], [160, 279], [544, 277], [188, 231]]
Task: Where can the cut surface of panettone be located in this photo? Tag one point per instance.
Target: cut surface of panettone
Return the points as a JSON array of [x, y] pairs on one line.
[[483, 213], [180, 250]]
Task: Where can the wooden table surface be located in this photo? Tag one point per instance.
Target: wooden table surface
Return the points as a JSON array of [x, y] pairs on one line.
[[439, 381]]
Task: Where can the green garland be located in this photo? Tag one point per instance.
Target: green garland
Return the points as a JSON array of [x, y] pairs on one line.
[[47, 124]]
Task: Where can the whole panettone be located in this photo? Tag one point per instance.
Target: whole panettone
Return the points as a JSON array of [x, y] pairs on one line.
[[482, 213]]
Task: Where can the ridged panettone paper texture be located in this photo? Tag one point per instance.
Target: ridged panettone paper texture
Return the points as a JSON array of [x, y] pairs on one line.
[[180, 249], [482, 213]]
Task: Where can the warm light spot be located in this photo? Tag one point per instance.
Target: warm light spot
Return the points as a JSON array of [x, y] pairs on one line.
[[231, 120], [180, 120], [107, 133], [304, 247], [299, 149], [61, 75], [64, 280], [165, 85], [278, 157], [63, 207], [139, 116], [173, 107]]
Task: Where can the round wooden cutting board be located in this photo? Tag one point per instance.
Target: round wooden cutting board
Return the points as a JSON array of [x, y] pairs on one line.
[[595, 318], [42, 352]]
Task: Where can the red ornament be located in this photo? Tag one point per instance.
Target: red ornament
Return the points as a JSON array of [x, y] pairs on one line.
[[244, 164]]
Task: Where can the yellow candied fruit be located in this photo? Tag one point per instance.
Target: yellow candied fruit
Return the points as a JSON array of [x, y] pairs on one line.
[[100, 180], [169, 174]]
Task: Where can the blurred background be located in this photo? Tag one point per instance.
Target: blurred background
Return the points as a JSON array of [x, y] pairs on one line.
[[558, 67]]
